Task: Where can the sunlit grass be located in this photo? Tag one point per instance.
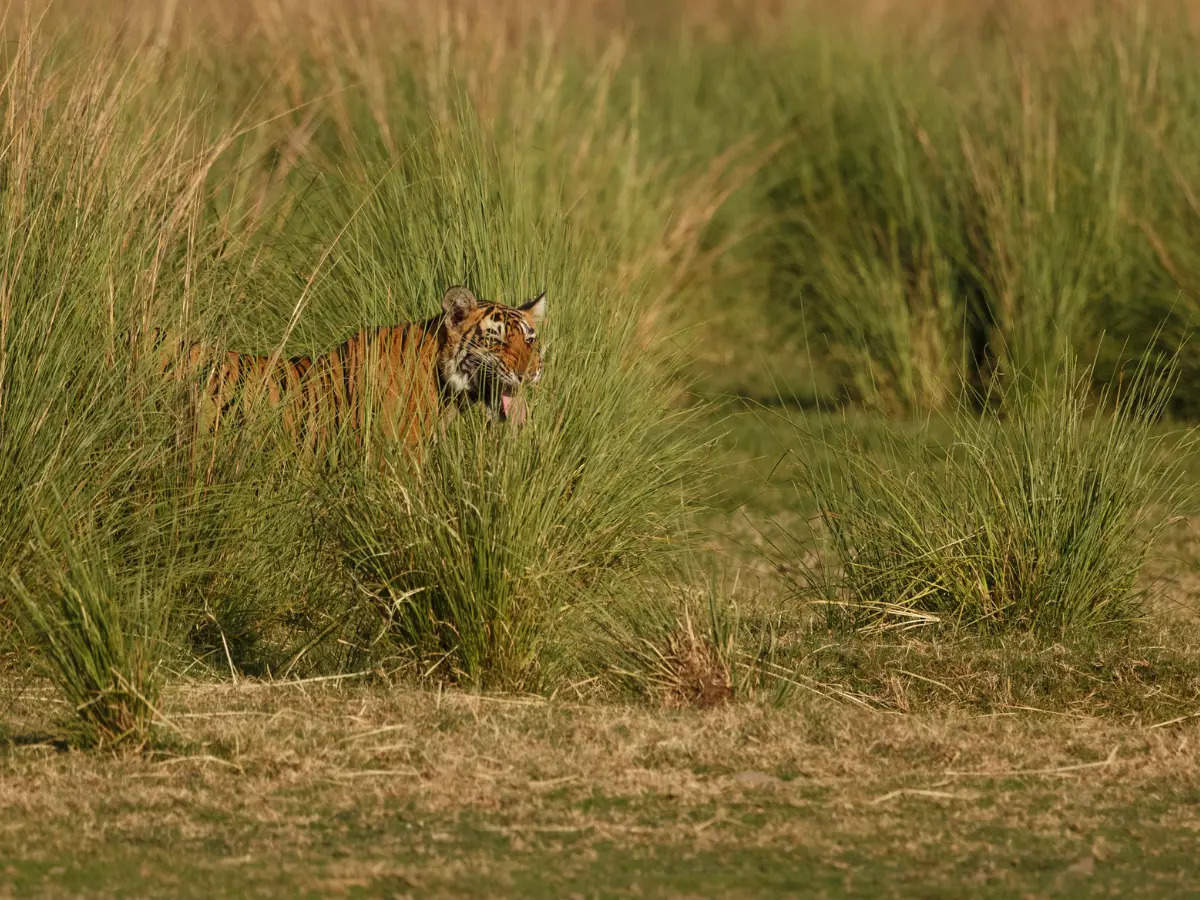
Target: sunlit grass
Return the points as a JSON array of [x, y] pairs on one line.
[[1036, 517]]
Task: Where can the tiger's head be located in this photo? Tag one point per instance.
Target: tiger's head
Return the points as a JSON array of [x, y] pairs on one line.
[[491, 351]]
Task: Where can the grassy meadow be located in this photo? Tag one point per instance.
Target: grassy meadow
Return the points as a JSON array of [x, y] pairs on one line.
[[852, 545]]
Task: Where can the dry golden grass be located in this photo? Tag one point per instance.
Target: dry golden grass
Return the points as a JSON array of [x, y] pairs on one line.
[[332, 785]]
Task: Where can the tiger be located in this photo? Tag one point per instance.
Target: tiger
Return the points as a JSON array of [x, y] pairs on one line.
[[403, 382]]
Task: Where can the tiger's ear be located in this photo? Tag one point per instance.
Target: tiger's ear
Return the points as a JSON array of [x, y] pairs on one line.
[[536, 308], [457, 302]]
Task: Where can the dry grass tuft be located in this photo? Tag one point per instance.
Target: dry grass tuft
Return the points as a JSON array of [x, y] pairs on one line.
[[693, 672]]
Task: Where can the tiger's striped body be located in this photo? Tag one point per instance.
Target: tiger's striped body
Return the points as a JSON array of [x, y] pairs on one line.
[[398, 382]]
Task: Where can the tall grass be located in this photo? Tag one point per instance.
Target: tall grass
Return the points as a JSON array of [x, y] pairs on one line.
[[94, 234], [474, 555], [103, 625], [969, 195], [1034, 520], [288, 225]]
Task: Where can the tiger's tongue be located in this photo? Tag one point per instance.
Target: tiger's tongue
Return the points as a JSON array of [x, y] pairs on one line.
[[514, 410]]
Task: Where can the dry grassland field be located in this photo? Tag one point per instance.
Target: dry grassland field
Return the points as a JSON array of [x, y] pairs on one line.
[[847, 544]]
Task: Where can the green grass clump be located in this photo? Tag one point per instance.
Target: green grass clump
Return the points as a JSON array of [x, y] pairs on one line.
[[473, 554], [93, 232], [1034, 519], [675, 643], [100, 628]]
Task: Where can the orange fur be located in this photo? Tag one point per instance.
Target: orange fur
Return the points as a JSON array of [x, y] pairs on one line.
[[399, 382]]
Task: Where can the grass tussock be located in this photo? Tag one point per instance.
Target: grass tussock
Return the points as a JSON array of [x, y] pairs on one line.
[[101, 629], [1036, 519], [680, 642], [683, 664]]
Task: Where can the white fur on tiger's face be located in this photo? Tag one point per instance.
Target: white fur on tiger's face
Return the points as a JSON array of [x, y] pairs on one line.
[[495, 351]]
